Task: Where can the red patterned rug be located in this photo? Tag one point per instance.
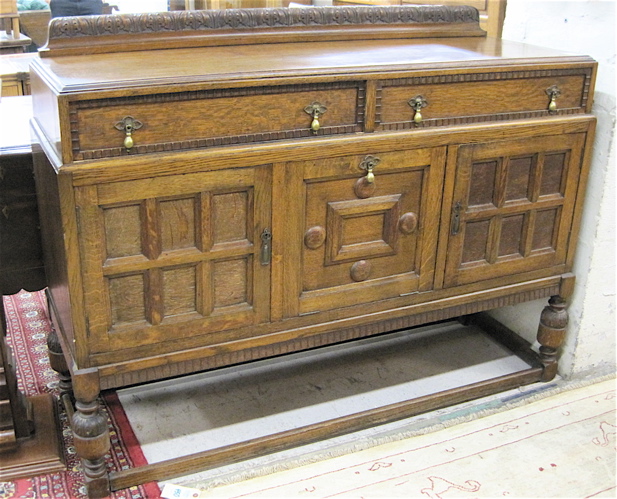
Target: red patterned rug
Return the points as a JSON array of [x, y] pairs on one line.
[[28, 325]]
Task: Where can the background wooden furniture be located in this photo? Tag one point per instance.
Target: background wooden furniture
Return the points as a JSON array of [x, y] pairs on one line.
[[29, 443], [339, 176], [9, 17], [34, 23], [11, 39], [15, 76]]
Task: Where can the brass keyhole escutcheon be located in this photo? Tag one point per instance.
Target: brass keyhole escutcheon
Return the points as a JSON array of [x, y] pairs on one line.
[[266, 247], [128, 125], [417, 103], [456, 218], [315, 110], [553, 92]]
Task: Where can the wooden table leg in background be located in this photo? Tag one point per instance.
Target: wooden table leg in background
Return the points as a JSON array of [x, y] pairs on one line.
[[29, 442]]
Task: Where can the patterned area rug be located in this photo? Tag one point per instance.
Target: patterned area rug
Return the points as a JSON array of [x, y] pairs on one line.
[[28, 325], [561, 446]]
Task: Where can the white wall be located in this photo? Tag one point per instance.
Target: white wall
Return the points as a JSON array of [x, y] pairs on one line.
[[137, 6], [583, 27]]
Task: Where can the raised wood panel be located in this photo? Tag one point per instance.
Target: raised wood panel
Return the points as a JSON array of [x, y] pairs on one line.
[[516, 205], [518, 179], [127, 300], [122, 230], [177, 223], [232, 282], [230, 216], [180, 291], [545, 229]]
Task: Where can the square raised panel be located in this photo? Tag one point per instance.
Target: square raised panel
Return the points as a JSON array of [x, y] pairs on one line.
[[177, 223], [230, 216], [511, 241], [482, 184], [126, 294], [122, 230], [179, 291], [231, 282], [476, 242], [546, 225], [362, 228], [553, 174], [518, 178]]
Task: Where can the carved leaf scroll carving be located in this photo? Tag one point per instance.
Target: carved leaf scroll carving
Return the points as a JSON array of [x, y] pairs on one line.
[[208, 20]]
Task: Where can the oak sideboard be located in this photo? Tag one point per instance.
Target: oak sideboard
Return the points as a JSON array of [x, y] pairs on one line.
[[218, 187]]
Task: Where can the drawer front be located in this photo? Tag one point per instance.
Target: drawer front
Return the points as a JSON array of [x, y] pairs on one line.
[[467, 98], [363, 242], [212, 118]]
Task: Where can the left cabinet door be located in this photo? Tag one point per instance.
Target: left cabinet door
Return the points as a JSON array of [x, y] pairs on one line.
[[173, 257]]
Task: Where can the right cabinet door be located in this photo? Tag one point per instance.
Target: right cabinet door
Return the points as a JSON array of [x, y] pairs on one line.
[[512, 206]]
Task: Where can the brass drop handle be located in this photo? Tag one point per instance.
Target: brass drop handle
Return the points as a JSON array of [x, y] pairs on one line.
[[266, 247], [369, 163], [128, 125], [315, 110], [553, 92], [417, 103]]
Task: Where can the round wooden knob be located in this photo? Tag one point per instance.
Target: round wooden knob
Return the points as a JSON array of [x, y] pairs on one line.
[[408, 223], [360, 270], [314, 237], [363, 188]]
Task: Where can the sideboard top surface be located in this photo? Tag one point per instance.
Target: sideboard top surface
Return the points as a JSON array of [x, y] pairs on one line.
[[95, 72], [95, 53]]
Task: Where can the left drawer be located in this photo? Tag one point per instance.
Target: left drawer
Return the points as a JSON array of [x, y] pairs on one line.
[[209, 118]]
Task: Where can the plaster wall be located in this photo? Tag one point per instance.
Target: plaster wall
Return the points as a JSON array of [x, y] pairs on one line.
[[138, 6], [583, 27]]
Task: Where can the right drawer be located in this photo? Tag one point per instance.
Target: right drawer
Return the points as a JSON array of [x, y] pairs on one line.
[[452, 99]]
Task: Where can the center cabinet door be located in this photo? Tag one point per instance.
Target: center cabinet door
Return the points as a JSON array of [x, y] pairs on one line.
[[353, 241], [166, 258]]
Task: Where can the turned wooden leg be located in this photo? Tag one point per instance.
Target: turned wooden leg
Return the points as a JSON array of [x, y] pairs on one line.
[[91, 434], [551, 334], [58, 362]]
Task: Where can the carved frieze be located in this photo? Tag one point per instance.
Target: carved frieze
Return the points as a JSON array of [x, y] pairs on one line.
[[234, 19]]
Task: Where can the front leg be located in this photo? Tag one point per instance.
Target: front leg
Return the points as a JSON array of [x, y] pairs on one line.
[[551, 334], [91, 433]]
